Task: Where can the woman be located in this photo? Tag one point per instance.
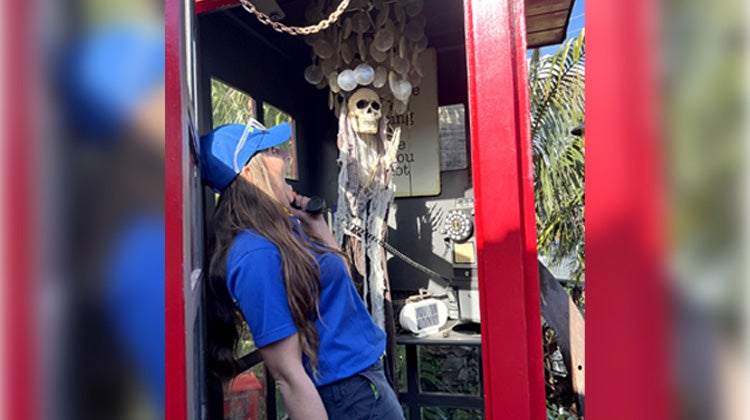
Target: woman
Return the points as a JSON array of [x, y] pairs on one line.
[[282, 269]]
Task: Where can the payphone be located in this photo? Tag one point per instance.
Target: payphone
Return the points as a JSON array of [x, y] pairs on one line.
[[438, 232], [458, 297], [458, 228]]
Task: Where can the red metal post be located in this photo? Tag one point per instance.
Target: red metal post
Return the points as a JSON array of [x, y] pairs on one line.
[[202, 6], [627, 305], [175, 352], [504, 196], [20, 187]]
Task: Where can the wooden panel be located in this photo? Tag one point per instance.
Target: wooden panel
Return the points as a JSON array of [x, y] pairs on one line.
[[546, 21], [562, 314], [539, 7], [541, 39]]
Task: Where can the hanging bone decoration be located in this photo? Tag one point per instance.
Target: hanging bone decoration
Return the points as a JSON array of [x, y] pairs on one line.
[[365, 195], [370, 61], [365, 110], [374, 43], [366, 154]]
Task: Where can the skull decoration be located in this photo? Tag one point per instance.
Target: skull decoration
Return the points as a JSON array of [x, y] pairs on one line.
[[365, 111]]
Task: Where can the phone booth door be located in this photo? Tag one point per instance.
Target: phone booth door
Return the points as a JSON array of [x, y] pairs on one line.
[[492, 43], [185, 372]]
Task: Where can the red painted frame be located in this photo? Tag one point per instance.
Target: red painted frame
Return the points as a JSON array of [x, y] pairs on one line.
[[504, 196], [628, 298], [208, 5], [175, 357], [506, 240], [21, 166]]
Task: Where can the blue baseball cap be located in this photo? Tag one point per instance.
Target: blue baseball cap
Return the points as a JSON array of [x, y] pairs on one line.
[[107, 75], [226, 150]]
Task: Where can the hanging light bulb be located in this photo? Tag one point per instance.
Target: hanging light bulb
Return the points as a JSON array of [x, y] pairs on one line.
[[377, 43], [401, 89], [313, 74], [364, 74], [346, 80]]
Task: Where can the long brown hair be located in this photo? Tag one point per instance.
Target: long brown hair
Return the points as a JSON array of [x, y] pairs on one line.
[[246, 205]]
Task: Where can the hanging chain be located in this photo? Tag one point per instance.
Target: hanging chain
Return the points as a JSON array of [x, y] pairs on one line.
[[296, 30], [357, 230]]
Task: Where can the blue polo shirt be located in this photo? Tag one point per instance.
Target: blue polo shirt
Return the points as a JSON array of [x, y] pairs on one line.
[[135, 298], [349, 340]]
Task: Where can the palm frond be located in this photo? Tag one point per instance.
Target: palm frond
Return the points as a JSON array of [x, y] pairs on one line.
[[557, 87]]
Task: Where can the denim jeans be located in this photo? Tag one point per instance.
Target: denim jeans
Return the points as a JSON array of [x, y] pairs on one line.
[[365, 395]]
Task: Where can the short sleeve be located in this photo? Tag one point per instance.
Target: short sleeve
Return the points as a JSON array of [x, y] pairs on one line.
[[255, 281]]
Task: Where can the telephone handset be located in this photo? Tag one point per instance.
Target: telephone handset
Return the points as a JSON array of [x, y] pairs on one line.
[[315, 205]]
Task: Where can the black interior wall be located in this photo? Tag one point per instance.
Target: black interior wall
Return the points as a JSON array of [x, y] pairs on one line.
[[418, 218], [269, 66], [235, 48]]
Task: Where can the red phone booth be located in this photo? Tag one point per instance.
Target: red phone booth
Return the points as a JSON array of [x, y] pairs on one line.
[[480, 55], [492, 52]]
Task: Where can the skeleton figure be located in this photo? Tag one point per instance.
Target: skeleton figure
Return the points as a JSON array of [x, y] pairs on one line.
[[365, 113], [366, 154]]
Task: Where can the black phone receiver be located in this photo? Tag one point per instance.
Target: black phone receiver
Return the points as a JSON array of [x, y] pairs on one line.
[[314, 207]]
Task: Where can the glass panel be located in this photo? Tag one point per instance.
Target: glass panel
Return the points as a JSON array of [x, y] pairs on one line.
[[280, 407], [441, 413], [452, 369], [401, 368], [233, 106], [273, 116], [245, 397], [230, 105]]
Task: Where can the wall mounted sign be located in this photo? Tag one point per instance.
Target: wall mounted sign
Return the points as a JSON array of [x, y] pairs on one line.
[[416, 171]]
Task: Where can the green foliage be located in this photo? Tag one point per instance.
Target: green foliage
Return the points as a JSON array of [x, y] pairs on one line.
[[446, 369], [230, 105], [272, 117], [557, 86], [556, 412], [233, 106], [451, 369], [557, 95], [441, 413]]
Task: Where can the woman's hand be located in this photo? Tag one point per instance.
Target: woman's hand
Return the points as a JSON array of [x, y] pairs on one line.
[[316, 222]]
